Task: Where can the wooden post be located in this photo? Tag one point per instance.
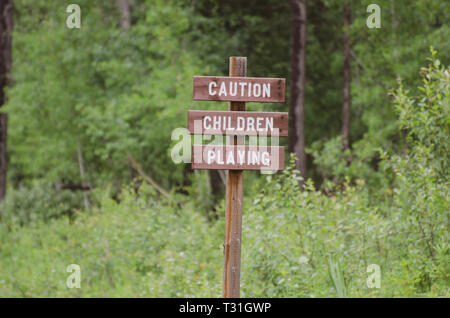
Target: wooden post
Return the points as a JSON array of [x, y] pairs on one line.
[[219, 157], [233, 214]]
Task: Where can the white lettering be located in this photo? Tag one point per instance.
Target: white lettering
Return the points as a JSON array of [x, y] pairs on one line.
[[205, 126], [216, 123], [255, 157], [240, 123], [223, 89], [181, 151], [211, 155], [374, 20], [219, 158], [250, 123], [242, 85], [269, 123], [258, 123], [266, 90], [73, 20], [233, 93], [74, 279], [241, 155], [265, 158], [257, 90], [230, 158], [210, 91]]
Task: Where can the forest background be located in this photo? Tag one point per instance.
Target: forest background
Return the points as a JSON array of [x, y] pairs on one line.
[[87, 176]]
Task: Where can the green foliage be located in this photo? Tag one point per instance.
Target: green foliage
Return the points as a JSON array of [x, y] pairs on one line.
[[379, 57], [301, 230], [39, 202], [115, 92], [422, 181], [110, 91], [295, 244], [138, 247], [337, 277], [104, 92]]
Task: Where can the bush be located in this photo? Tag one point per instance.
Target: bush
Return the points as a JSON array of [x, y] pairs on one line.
[[40, 201], [138, 247], [422, 175], [296, 242]]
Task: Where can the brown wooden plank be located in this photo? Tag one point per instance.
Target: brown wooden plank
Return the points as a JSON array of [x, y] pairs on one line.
[[240, 89], [238, 123], [237, 157]]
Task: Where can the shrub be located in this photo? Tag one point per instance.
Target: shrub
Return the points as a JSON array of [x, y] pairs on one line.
[[422, 174], [39, 201]]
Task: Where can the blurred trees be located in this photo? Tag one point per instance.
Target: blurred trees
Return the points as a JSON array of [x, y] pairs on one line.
[[125, 21], [346, 93], [6, 26], [112, 92], [298, 84], [87, 106]]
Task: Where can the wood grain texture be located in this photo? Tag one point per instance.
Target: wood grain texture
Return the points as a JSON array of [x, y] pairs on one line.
[[237, 157], [263, 123], [233, 201], [210, 88], [233, 236]]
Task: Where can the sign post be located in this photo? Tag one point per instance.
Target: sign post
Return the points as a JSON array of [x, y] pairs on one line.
[[235, 156], [233, 212]]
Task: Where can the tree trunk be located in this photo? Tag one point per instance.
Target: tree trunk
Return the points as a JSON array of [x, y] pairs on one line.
[[346, 100], [87, 206], [298, 68], [6, 25], [216, 184], [125, 21]]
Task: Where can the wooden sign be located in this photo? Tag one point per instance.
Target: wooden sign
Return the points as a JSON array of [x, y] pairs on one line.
[[237, 123], [236, 156], [231, 157], [239, 89]]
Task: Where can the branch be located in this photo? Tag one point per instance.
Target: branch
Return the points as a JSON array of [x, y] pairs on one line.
[[358, 61], [87, 205], [147, 178]]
